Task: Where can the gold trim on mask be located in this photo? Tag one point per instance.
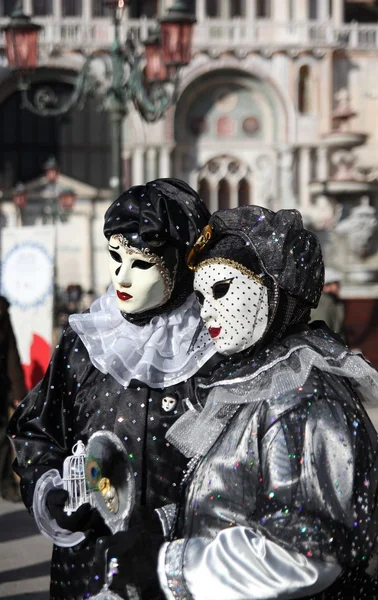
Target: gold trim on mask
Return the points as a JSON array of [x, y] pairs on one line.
[[151, 258], [201, 242], [230, 263]]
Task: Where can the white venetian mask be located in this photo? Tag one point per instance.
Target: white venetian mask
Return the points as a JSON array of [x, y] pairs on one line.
[[140, 280], [234, 304]]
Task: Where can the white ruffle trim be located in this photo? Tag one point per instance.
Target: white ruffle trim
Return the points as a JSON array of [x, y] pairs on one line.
[[155, 354]]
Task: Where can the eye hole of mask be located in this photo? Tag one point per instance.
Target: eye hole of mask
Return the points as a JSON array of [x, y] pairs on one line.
[[115, 256], [141, 264], [221, 288], [200, 298]]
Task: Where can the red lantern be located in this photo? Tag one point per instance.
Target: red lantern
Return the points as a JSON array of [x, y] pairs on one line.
[[21, 39], [19, 196], [176, 35], [67, 199], [156, 69]]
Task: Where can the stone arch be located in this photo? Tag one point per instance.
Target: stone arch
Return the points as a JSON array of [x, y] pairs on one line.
[[80, 139], [252, 67]]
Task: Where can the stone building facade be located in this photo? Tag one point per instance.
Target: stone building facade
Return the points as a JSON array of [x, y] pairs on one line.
[[279, 107]]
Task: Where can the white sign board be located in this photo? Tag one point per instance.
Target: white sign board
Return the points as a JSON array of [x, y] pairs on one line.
[[27, 281]]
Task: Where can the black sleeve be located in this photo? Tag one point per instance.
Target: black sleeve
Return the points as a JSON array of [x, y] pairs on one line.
[[42, 426]]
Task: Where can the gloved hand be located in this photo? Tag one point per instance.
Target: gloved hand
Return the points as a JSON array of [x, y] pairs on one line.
[[83, 519], [137, 551]]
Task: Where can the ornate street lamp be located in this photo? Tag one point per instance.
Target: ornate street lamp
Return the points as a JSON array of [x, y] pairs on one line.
[[21, 40], [149, 80]]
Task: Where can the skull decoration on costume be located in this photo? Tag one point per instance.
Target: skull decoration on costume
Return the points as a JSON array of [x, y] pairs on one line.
[[150, 229], [256, 273], [168, 403], [234, 304]]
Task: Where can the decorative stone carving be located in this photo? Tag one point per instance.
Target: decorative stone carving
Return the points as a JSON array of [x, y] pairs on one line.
[[345, 163], [359, 229], [323, 214]]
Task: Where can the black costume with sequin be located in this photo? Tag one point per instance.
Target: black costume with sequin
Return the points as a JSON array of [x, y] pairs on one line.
[[75, 399], [282, 501]]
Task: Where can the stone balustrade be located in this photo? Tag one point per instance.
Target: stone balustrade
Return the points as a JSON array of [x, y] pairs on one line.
[[214, 35]]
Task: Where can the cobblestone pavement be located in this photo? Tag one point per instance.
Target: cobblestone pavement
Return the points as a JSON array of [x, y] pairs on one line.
[[24, 555]]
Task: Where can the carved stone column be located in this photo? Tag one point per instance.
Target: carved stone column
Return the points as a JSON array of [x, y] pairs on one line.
[[201, 10], [164, 162], [151, 163], [213, 196], [250, 9], [304, 176], [338, 12], [286, 179], [137, 167]]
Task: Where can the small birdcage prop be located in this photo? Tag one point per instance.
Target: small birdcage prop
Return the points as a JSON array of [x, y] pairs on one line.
[[74, 478]]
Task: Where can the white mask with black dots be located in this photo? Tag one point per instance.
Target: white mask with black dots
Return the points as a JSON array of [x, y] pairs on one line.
[[234, 306]]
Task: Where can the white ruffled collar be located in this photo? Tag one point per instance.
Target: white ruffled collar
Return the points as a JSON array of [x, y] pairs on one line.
[[155, 354]]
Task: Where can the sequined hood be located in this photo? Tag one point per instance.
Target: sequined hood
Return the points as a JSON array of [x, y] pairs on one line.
[[272, 243]]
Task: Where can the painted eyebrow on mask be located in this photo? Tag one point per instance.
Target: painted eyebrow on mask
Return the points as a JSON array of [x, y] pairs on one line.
[[114, 247]]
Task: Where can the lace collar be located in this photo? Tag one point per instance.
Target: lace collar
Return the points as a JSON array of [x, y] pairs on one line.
[[155, 354]]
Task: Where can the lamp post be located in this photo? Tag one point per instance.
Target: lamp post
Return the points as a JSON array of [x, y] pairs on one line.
[[58, 201], [149, 80]]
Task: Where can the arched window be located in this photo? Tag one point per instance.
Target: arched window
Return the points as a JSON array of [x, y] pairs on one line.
[[313, 9], [236, 8], [6, 7], [143, 8], [72, 8], [263, 9], [204, 191], [223, 194], [212, 8], [244, 193], [304, 90], [42, 7], [80, 142]]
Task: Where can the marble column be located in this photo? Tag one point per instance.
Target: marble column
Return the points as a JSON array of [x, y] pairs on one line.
[[213, 185], [323, 10], [234, 198], [193, 180], [223, 9], [28, 7], [151, 164], [322, 166], [57, 10], [87, 12], [164, 162], [137, 167], [338, 12], [301, 10], [286, 178], [250, 9], [280, 11], [201, 10], [304, 176]]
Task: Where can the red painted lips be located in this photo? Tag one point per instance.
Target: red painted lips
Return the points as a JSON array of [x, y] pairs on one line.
[[214, 331], [123, 295]]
